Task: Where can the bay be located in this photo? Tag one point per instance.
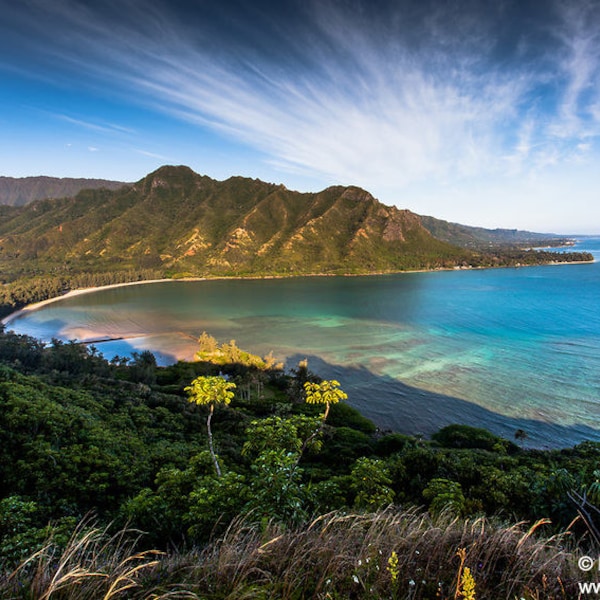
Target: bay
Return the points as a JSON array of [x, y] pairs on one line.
[[503, 349]]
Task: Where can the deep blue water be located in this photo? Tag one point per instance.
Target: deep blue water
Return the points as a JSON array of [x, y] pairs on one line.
[[501, 348]]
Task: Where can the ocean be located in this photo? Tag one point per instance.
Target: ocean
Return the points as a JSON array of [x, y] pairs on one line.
[[503, 349]]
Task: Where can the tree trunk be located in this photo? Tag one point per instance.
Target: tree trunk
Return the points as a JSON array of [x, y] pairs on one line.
[[311, 437], [210, 442]]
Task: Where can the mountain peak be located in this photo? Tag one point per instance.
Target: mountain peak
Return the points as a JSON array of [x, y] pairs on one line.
[[170, 176], [171, 171]]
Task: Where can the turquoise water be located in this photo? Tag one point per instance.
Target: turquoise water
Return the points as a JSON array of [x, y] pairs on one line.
[[503, 348]]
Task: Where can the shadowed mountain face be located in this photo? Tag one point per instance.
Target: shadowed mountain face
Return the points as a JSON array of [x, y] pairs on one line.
[[180, 222], [23, 190]]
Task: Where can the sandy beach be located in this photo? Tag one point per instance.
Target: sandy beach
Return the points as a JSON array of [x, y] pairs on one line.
[[79, 292]]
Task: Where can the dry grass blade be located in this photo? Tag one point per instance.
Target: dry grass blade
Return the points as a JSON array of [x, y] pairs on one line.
[[125, 580], [72, 577], [532, 530]]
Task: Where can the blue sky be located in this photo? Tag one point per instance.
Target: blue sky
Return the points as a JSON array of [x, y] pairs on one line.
[[484, 113]]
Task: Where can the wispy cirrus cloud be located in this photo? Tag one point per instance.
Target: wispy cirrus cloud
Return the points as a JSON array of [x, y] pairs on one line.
[[579, 66], [366, 113], [386, 99], [102, 128], [151, 154]]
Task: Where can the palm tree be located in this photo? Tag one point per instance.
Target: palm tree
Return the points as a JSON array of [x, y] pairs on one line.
[[208, 391]]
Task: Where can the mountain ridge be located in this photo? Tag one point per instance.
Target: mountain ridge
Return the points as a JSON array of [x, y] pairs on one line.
[[180, 223], [25, 190], [176, 219], [175, 223], [19, 191], [468, 236]]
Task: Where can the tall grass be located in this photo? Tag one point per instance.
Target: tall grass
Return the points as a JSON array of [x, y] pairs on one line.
[[337, 556], [94, 565], [347, 556]]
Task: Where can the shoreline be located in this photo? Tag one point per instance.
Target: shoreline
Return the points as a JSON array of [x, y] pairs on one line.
[[80, 291]]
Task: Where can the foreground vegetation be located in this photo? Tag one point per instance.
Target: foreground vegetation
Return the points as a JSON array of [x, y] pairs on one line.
[[250, 482], [388, 554]]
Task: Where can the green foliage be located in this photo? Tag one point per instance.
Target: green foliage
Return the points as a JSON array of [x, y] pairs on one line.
[[370, 482], [16, 520], [465, 436], [229, 353], [24, 530], [142, 368], [80, 434], [276, 488], [164, 512], [23, 288], [393, 442], [87, 446], [214, 503], [592, 491], [329, 494], [552, 494], [344, 446], [210, 390], [277, 433], [445, 495], [324, 392], [344, 415]]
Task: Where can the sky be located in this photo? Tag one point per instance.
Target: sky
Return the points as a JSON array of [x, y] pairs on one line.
[[480, 112]]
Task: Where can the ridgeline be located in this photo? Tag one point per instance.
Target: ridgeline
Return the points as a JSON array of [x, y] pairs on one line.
[[176, 223], [18, 191]]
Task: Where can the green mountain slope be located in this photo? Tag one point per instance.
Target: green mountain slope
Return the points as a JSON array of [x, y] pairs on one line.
[[479, 237], [177, 221]]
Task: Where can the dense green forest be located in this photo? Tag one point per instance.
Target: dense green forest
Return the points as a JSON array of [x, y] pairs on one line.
[[291, 471]]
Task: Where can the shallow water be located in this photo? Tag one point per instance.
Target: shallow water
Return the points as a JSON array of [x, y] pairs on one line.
[[501, 348]]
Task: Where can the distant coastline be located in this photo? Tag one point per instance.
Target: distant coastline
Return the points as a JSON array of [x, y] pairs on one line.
[[90, 290]]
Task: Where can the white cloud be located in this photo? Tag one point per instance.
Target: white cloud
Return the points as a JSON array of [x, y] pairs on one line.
[[365, 101], [373, 110], [374, 118]]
